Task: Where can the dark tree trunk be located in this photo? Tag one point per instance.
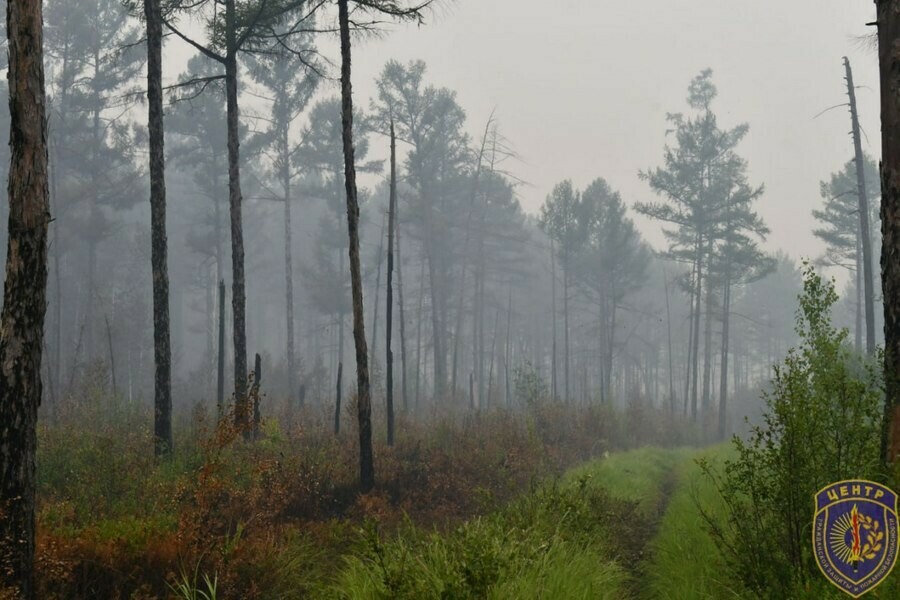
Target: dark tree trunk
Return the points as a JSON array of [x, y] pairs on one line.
[[889, 62], [220, 371], [403, 361], [337, 399], [553, 316], [869, 280], [162, 353], [723, 382], [566, 325], [24, 295], [506, 353], [857, 341], [419, 335], [257, 380], [364, 409], [377, 289], [238, 295], [389, 307], [707, 353], [288, 276], [112, 357], [695, 358], [669, 347]]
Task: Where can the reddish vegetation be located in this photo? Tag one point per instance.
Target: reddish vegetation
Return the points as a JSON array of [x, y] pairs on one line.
[[282, 511]]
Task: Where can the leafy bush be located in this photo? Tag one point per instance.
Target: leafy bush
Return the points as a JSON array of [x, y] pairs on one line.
[[821, 424]]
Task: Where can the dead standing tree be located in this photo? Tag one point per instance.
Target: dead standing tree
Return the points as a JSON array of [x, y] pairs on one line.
[[389, 358], [398, 11], [859, 159], [24, 296]]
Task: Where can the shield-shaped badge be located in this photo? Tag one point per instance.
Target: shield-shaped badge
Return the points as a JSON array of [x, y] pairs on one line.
[[855, 534]]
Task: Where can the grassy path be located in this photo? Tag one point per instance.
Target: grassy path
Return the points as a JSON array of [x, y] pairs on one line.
[[622, 527]]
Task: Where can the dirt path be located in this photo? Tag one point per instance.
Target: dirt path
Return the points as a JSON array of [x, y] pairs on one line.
[[639, 551]]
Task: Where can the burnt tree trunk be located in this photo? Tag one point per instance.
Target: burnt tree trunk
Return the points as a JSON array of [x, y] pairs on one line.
[[238, 294], [889, 63], [868, 277], [337, 399], [389, 306], [257, 380], [220, 374], [24, 295], [162, 352], [364, 409], [400, 314]]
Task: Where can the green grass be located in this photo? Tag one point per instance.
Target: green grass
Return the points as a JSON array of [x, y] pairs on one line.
[[685, 562], [552, 543], [570, 539], [638, 475]]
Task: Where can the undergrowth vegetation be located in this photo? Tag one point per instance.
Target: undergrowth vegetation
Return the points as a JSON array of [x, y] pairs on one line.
[[281, 517]]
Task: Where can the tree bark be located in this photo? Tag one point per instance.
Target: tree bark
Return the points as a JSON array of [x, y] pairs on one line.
[[238, 294], [364, 409], [389, 308], [24, 295], [162, 353], [889, 63], [868, 276], [337, 399], [403, 361], [220, 371]]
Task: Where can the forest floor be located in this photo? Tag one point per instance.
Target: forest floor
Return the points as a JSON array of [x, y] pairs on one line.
[[481, 506]]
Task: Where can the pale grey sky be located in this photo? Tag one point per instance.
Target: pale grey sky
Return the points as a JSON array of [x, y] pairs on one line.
[[582, 87]]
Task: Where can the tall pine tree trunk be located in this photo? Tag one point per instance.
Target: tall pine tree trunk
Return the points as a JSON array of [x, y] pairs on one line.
[[235, 201], [857, 342], [378, 287], [389, 305], [364, 409], [403, 360], [24, 295], [695, 362], [419, 335], [162, 354], [889, 62], [723, 382], [220, 367], [868, 276]]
